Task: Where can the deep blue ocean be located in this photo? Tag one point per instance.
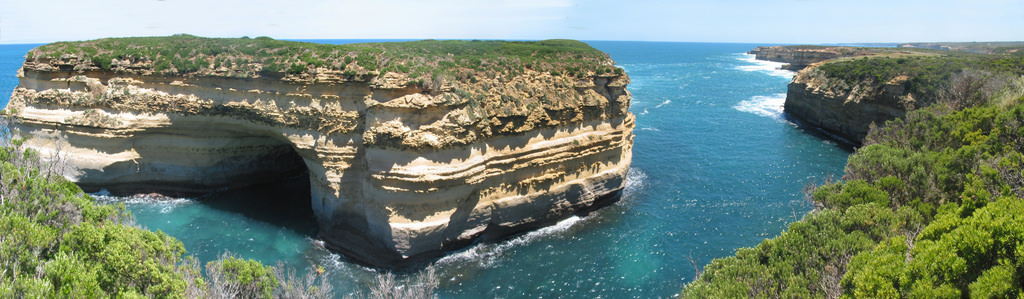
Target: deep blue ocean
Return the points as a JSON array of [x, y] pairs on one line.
[[716, 166]]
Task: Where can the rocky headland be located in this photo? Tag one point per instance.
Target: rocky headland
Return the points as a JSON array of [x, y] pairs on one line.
[[412, 149], [845, 91], [843, 109], [799, 57]]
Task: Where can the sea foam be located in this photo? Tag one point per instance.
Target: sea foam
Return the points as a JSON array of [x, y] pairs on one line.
[[769, 106], [489, 254], [636, 182], [768, 67], [165, 203]]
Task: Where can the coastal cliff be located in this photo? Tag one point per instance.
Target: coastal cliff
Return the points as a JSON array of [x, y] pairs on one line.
[[412, 149], [844, 109], [844, 96], [799, 57]]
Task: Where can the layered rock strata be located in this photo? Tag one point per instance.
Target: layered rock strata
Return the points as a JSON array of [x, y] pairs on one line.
[[844, 110], [398, 171], [799, 57]]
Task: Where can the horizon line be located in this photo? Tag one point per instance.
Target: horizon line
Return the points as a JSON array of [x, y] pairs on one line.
[[540, 39]]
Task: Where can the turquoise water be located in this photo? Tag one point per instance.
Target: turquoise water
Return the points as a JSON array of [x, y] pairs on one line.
[[716, 166]]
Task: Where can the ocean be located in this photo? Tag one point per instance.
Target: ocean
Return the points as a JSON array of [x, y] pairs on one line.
[[716, 166]]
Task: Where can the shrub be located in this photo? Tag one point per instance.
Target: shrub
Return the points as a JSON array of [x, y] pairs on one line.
[[232, 277], [928, 208], [297, 68]]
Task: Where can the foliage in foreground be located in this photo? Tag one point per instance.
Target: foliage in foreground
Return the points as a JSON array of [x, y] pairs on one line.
[[56, 242], [930, 207]]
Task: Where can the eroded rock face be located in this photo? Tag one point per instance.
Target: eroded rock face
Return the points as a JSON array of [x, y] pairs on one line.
[[398, 173], [798, 58], [845, 110]]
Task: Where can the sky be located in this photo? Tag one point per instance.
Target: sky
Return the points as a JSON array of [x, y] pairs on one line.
[[741, 21]]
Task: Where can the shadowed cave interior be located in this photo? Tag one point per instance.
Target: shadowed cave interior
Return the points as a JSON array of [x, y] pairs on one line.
[[262, 178]]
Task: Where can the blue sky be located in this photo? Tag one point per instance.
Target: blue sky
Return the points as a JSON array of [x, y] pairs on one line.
[[764, 21]]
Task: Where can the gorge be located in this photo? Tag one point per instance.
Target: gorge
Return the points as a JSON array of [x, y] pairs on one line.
[[412, 149], [909, 193]]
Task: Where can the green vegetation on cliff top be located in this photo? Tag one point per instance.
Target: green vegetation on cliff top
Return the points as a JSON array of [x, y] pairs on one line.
[[927, 71], [972, 47], [248, 57]]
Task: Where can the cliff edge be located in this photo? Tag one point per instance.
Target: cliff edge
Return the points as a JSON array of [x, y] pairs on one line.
[[844, 109], [799, 57], [844, 96], [412, 149]]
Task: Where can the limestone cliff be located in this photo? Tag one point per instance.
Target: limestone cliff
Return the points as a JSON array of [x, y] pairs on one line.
[[412, 149], [844, 109], [799, 57], [846, 95]]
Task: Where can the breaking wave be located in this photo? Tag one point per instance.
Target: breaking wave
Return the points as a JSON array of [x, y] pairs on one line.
[[487, 255], [767, 67], [166, 204], [769, 106]]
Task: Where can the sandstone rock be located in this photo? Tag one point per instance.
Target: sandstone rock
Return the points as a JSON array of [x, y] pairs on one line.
[[844, 110], [799, 57], [398, 172]]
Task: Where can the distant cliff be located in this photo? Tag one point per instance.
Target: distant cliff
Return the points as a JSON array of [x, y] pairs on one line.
[[412, 149], [972, 47], [799, 57]]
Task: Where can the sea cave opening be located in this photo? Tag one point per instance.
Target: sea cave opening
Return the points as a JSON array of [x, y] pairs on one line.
[[272, 186], [265, 213], [280, 197], [260, 177]]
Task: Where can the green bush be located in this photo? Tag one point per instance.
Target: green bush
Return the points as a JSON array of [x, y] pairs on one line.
[[930, 207], [233, 277], [927, 74], [58, 242], [297, 68], [129, 259], [978, 256]]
